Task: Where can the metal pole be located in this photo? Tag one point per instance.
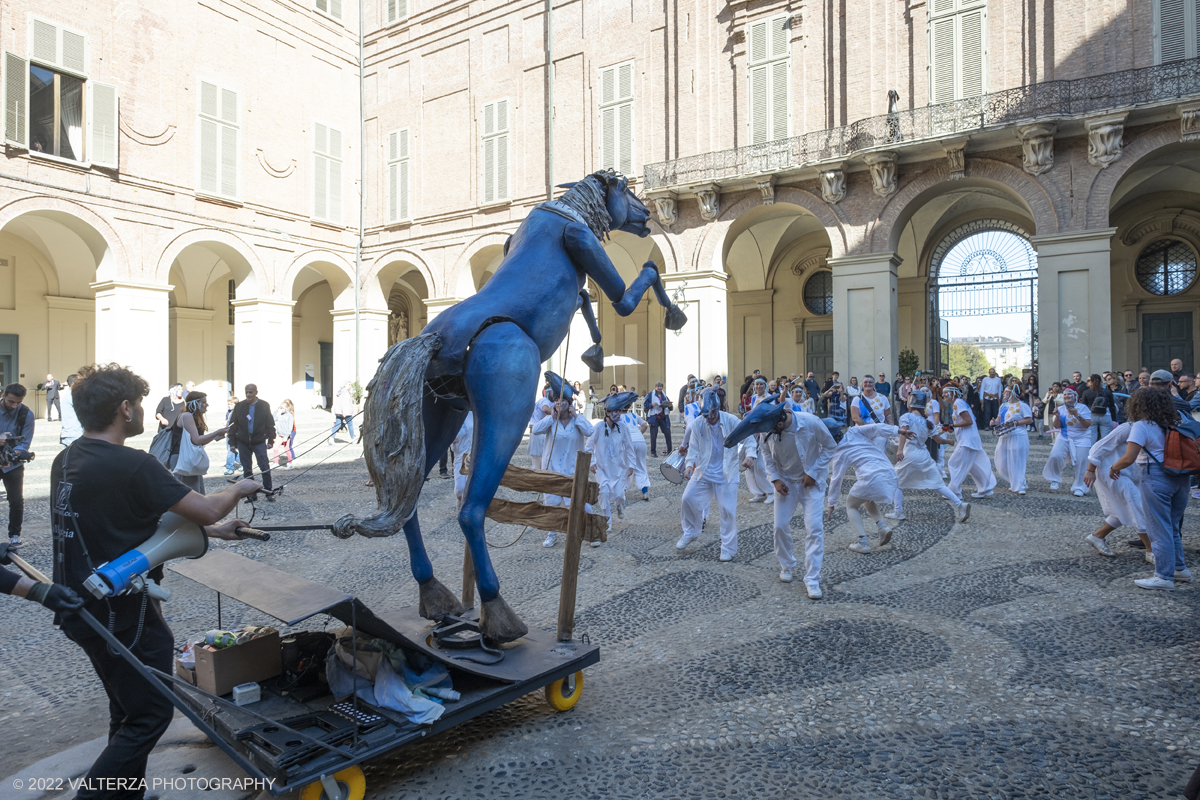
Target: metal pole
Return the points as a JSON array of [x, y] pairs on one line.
[[362, 181], [549, 99]]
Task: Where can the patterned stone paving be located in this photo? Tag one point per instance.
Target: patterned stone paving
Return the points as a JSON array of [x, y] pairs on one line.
[[1000, 658]]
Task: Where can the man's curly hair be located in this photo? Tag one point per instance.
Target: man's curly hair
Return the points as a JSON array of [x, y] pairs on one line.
[[99, 391]]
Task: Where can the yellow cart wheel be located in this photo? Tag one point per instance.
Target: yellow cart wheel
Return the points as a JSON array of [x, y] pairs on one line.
[[351, 783], [563, 694]]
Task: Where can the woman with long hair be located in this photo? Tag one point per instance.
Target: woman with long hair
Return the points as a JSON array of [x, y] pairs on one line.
[[1164, 496], [1114, 384], [191, 422], [1102, 408], [285, 427]]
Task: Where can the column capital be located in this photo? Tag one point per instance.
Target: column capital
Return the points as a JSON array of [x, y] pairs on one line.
[[262, 301], [363, 313], [710, 278], [441, 303], [1094, 240], [108, 287], [865, 263]]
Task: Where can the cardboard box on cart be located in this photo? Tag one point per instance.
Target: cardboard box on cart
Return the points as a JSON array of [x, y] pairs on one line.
[[218, 671]]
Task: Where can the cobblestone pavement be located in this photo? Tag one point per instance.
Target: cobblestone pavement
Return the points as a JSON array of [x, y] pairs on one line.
[[998, 658]]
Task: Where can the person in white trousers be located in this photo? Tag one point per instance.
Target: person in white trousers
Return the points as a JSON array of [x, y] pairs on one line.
[[796, 448], [612, 456], [542, 409], [874, 479], [1121, 500], [969, 457], [711, 470], [915, 467], [636, 427], [459, 448], [1075, 419], [1012, 448], [750, 457], [566, 432]]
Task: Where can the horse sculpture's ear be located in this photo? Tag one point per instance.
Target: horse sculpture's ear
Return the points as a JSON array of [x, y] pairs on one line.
[[570, 185]]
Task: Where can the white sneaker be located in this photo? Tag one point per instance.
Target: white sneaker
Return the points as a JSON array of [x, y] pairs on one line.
[[1101, 546], [549, 540], [894, 515], [770, 499], [597, 544], [1196, 494], [645, 494], [1149, 557], [1021, 493], [785, 575], [859, 547], [1156, 582], [981, 495], [726, 556], [1054, 486], [1079, 493], [963, 512], [1183, 575], [684, 541], [814, 590], [885, 536], [758, 498]]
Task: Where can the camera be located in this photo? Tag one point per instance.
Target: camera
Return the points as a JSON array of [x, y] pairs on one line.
[[9, 453]]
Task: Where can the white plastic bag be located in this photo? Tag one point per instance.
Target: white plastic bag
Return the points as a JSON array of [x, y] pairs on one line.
[[193, 460]]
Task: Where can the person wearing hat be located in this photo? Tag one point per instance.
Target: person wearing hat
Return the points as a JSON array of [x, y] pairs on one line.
[[915, 467], [636, 428], [874, 479], [566, 433], [968, 457], [1072, 419], [795, 448], [711, 470], [612, 456], [1012, 449]]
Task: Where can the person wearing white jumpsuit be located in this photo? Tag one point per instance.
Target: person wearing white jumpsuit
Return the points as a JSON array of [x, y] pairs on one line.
[[1075, 418], [915, 467], [969, 457], [612, 456], [1012, 448], [541, 410], [796, 450], [566, 433], [801, 402], [459, 448], [874, 479], [1121, 500], [711, 470], [749, 456], [636, 427]]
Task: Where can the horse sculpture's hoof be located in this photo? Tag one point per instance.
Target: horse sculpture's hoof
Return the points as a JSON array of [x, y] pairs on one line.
[[594, 358], [674, 318], [499, 623], [437, 601]]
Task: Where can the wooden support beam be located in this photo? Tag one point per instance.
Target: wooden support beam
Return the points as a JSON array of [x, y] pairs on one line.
[[523, 479], [468, 583], [536, 515], [575, 527]]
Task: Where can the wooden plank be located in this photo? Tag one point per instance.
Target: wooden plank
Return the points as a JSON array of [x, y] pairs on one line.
[[536, 515], [523, 479], [575, 525]]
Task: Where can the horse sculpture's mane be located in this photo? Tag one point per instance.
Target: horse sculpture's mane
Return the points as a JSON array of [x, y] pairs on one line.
[[587, 198]]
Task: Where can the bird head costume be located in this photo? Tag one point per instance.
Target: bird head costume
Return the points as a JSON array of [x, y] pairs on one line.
[[764, 418], [559, 388]]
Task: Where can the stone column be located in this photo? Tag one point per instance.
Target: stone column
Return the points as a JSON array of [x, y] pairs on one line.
[[1074, 304], [436, 305], [866, 338], [262, 340], [133, 329], [702, 346], [372, 343]]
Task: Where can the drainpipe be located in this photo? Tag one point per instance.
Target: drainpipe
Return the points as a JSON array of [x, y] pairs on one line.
[[362, 185]]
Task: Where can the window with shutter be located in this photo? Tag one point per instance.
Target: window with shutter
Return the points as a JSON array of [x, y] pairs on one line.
[[616, 117], [327, 173], [330, 8], [102, 125], [218, 137], [495, 152], [55, 93], [394, 11], [397, 176], [54, 46], [957, 49], [16, 100], [769, 69], [1176, 34]]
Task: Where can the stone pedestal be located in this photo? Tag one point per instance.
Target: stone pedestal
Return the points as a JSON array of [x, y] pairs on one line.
[[133, 329], [372, 344], [1074, 305], [702, 346], [262, 341], [866, 338]]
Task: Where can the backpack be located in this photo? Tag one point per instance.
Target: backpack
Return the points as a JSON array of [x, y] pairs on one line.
[[1181, 456]]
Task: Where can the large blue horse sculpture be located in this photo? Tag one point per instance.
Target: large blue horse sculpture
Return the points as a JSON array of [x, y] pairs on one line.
[[484, 355]]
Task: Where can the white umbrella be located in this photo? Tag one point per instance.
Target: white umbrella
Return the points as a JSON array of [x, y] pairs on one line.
[[619, 361]]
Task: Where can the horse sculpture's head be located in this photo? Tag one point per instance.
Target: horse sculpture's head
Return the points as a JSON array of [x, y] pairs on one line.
[[606, 202]]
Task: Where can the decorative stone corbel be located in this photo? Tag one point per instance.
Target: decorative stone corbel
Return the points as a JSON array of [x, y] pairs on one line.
[[833, 184], [1105, 137], [956, 157], [1037, 147], [709, 198], [668, 214], [884, 180], [1189, 122], [767, 187], [811, 261]]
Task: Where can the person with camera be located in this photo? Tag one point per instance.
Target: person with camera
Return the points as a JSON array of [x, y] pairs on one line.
[[16, 428], [658, 416], [106, 500]]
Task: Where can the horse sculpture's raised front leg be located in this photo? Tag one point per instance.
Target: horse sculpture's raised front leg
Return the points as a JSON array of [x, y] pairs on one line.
[[587, 254], [594, 355]]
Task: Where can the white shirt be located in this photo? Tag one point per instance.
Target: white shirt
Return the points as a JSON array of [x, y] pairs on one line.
[[1010, 412], [967, 437], [805, 448], [1106, 451], [879, 404], [690, 412], [990, 386], [1151, 438], [562, 442], [1075, 430], [700, 452], [912, 421], [632, 424], [713, 472]]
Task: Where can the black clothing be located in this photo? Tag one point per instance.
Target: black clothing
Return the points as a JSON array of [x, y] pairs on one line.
[[8, 580], [660, 422], [51, 388], [52, 402], [169, 409], [117, 495], [264, 461], [264, 424], [14, 487], [138, 713], [814, 391]]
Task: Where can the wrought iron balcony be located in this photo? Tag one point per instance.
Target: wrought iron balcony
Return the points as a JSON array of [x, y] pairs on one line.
[[1024, 104]]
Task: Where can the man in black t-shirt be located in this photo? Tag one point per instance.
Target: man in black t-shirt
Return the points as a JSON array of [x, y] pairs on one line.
[[169, 407], [105, 500]]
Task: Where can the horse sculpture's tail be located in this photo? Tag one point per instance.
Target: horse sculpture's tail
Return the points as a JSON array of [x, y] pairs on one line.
[[393, 436]]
